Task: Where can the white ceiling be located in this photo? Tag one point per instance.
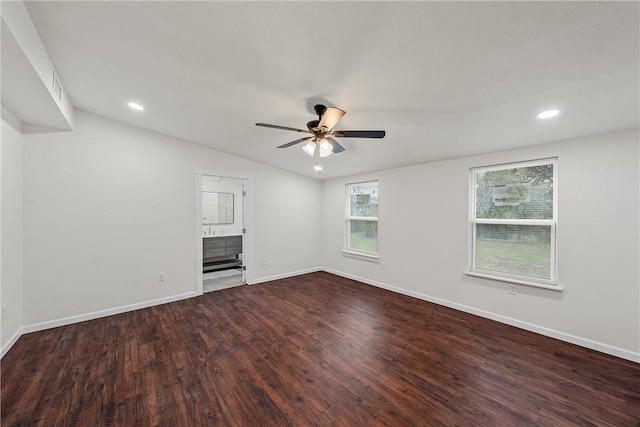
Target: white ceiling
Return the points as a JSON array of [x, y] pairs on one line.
[[444, 79]]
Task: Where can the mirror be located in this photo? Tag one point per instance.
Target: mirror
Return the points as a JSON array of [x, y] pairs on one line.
[[217, 208]]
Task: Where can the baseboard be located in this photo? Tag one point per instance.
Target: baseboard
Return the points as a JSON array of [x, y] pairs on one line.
[[104, 313], [285, 275], [5, 348], [91, 316], [583, 342]]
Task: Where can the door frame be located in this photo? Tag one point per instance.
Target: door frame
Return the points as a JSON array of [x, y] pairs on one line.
[[247, 213]]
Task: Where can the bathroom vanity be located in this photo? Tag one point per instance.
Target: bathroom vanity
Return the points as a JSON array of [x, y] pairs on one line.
[[221, 252]]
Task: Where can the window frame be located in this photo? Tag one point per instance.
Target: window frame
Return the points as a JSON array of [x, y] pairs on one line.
[[551, 283], [354, 252]]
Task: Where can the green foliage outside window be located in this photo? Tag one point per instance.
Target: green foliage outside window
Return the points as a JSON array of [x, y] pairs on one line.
[[540, 180]]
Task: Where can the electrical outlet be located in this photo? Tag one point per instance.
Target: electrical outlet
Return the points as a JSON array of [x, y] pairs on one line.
[[4, 312], [512, 289], [264, 261], [382, 266], [161, 277]]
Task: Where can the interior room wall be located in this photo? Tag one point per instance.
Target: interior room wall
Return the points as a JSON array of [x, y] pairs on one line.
[[11, 228], [109, 206], [225, 185], [423, 242]]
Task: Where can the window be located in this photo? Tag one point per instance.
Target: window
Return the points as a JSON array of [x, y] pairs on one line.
[[513, 219], [361, 228]]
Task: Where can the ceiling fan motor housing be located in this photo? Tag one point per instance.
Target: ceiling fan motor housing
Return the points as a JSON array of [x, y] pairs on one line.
[[312, 124], [319, 109]]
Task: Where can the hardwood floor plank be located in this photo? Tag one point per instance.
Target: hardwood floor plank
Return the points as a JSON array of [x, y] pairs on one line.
[[311, 350]]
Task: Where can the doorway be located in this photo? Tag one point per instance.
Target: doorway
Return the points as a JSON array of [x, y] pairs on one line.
[[222, 210]]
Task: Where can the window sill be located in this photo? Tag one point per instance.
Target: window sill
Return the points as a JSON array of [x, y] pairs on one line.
[[550, 286], [361, 256]]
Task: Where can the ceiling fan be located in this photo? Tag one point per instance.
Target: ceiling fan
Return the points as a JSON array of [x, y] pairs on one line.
[[322, 143]]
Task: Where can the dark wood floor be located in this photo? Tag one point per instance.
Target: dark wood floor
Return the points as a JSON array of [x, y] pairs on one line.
[[313, 350]]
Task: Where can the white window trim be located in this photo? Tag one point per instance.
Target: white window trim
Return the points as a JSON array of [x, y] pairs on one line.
[[551, 285], [553, 223], [356, 253], [361, 255]]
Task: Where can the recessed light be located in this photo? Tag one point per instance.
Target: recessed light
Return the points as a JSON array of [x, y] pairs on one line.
[[548, 114], [135, 106], [318, 167]]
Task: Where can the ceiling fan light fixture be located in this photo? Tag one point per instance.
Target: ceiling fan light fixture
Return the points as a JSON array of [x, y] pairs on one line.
[[310, 148], [325, 148]]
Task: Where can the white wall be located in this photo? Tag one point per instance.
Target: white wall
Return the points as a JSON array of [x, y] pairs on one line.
[[423, 242], [225, 185], [11, 227], [108, 206]]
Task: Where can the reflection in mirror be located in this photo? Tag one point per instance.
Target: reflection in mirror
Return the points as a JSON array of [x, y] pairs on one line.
[[217, 208]]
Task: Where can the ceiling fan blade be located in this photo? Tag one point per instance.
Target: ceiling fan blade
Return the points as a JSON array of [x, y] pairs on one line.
[[359, 133], [297, 141], [337, 148], [331, 117], [266, 125]]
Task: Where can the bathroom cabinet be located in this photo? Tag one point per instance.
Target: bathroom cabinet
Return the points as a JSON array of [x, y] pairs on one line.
[[221, 252]]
